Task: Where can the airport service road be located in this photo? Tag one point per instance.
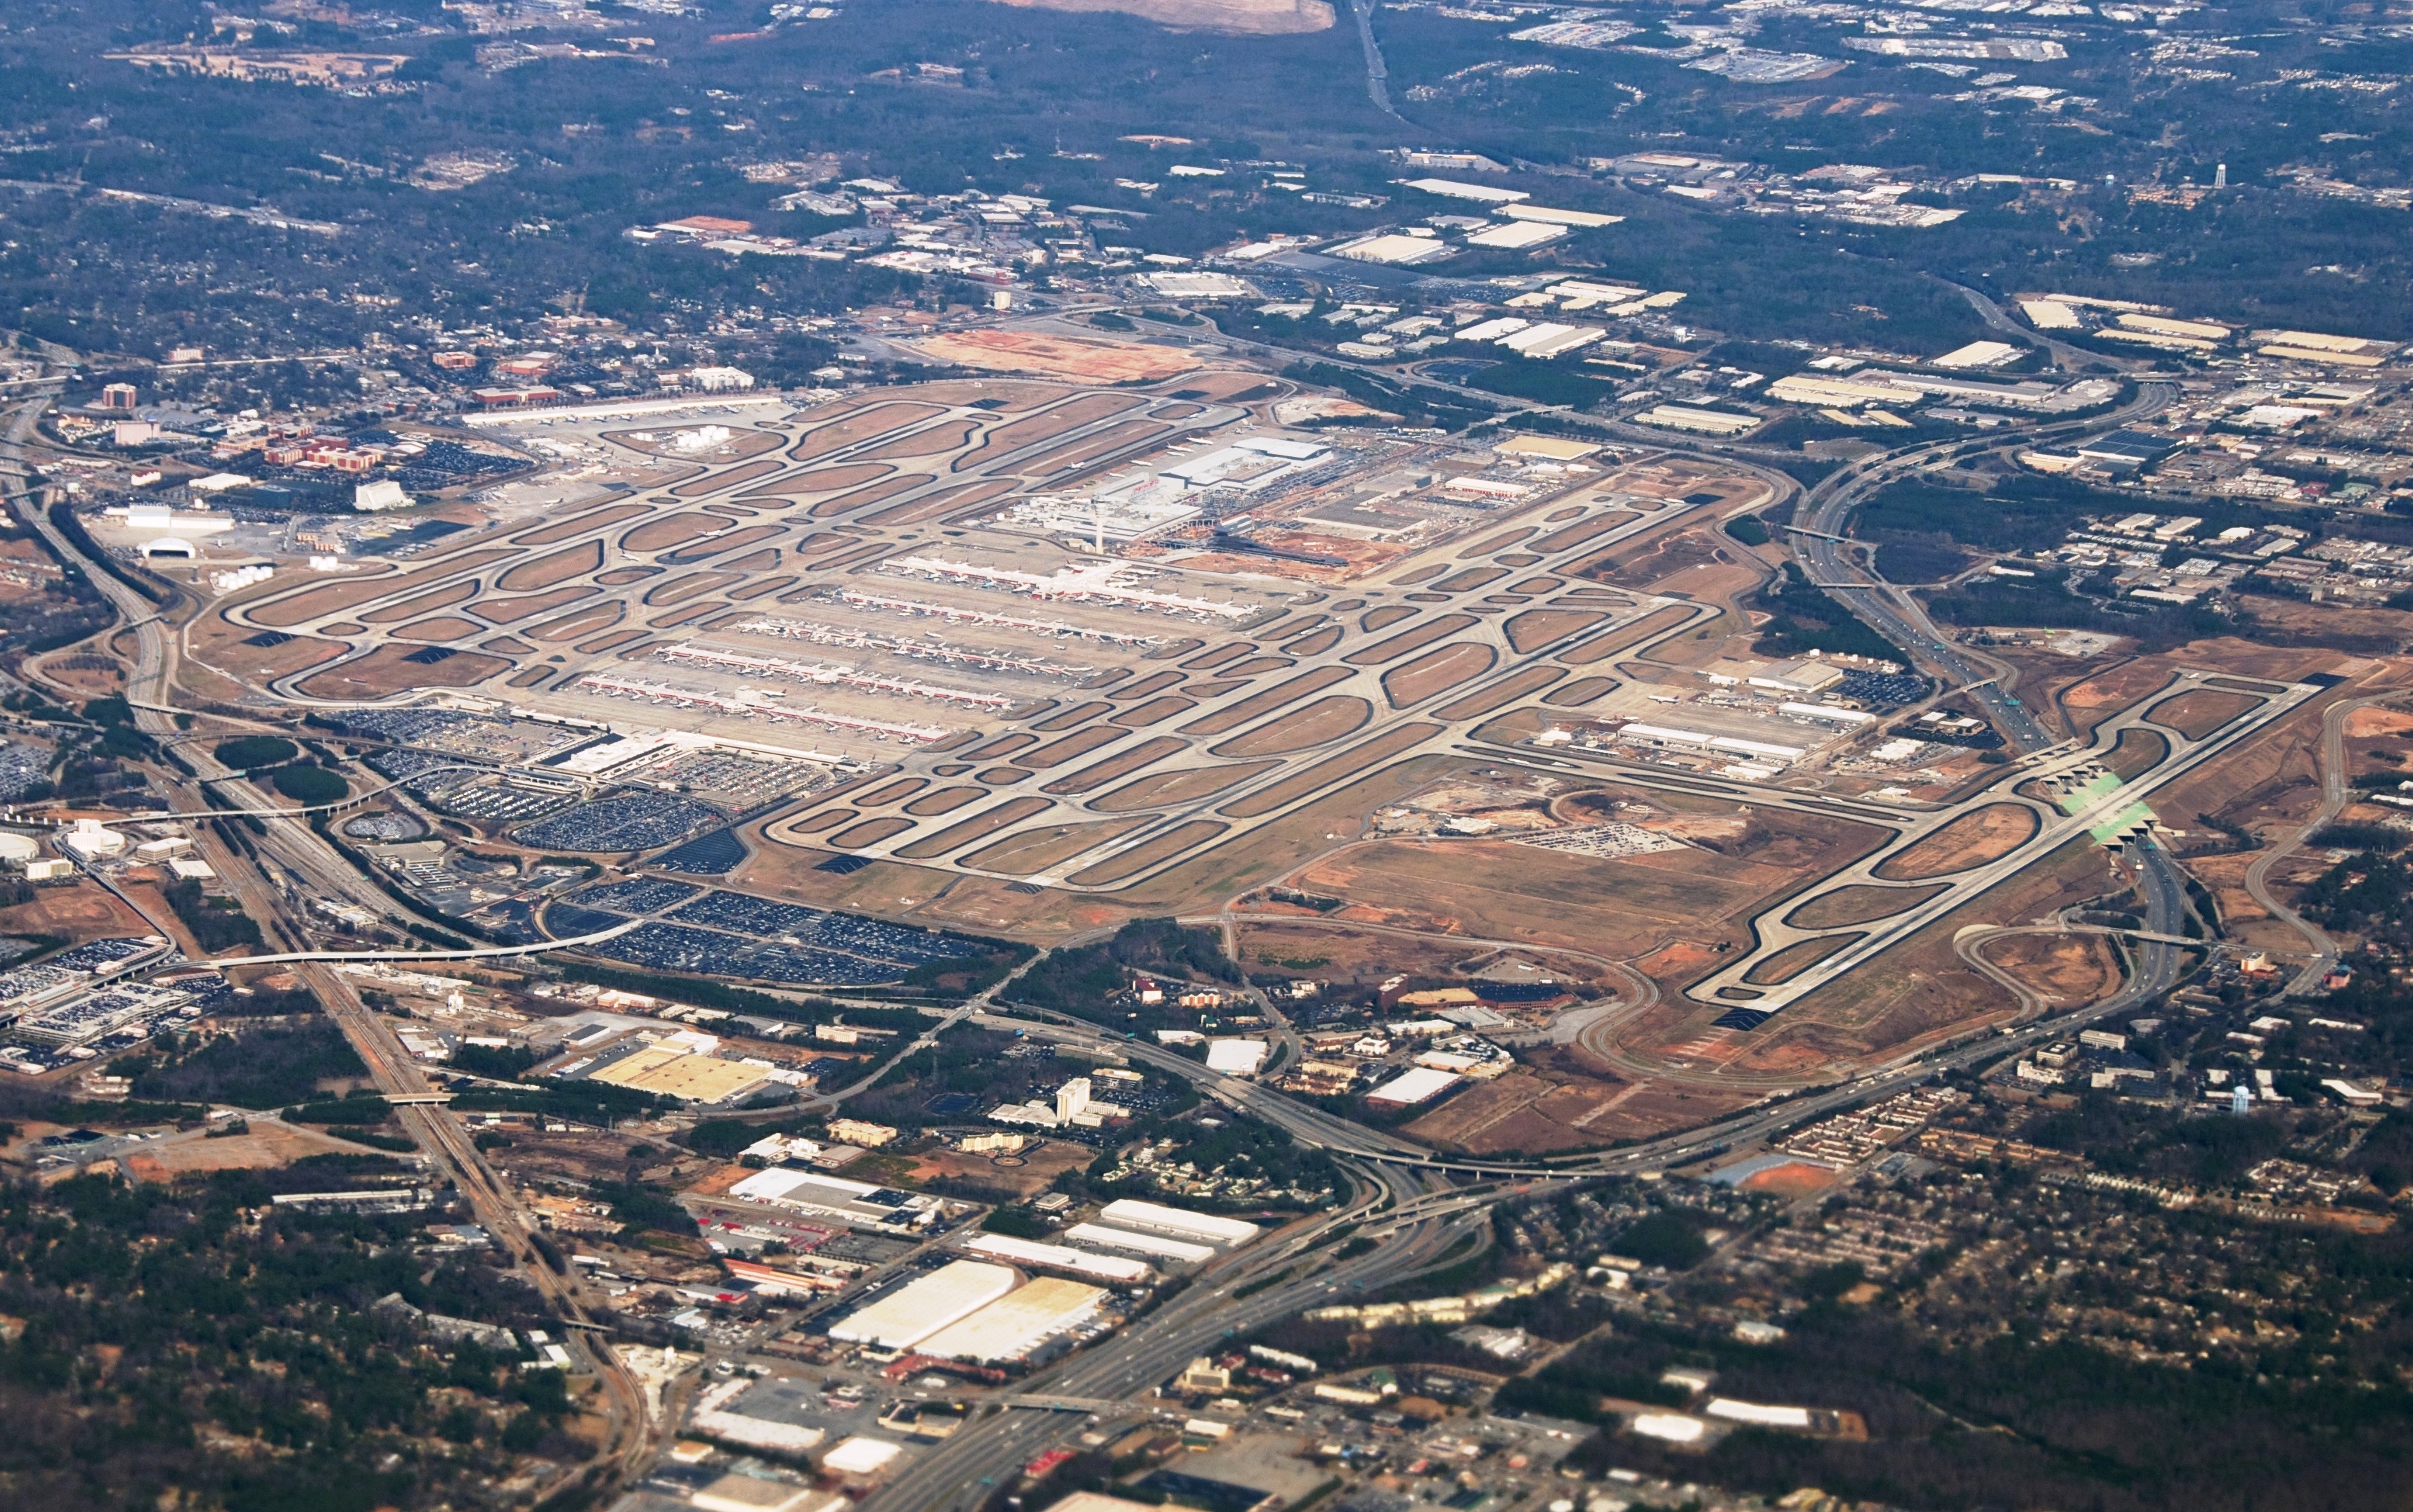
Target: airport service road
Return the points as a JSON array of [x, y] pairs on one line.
[[2335, 795], [1145, 716], [2065, 797]]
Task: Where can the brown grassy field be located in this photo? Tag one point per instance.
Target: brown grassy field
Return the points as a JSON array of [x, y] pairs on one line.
[[1437, 672], [1294, 941], [845, 428], [2137, 752], [2067, 969], [1916, 993], [1857, 905], [1500, 891], [1976, 837], [383, 670], [2197, 714], [1570, 1102], [2087, 704], [267, 1146], [1310, 725]]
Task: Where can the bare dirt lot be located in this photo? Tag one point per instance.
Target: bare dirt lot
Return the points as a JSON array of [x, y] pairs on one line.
[[2066, 969], [1013, 1177], [266, 1146], [75, 912]]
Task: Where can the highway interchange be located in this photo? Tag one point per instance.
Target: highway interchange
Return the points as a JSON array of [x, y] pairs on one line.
[[1412, 1200]]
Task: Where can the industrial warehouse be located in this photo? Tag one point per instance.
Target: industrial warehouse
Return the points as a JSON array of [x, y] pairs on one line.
[[990, 1309], [974, 1313]]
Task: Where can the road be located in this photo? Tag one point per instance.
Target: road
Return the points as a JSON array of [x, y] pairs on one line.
[[629, 1439], [1403, 1191], [1822, 515], [1423, 1228], [1378, 74], [2334, 794], [2077, 359]]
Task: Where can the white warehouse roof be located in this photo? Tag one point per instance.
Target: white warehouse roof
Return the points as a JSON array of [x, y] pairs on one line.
[[1154, 1218], [1236, 1058], [1059, 1256], [1415, 1085], [914, 1312], [1155, 1245], [1013, 1327]]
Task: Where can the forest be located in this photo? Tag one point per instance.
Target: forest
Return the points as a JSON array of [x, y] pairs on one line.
[[151, 1329]]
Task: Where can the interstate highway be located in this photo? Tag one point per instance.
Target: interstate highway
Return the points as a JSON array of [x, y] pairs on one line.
[[630, 1435]]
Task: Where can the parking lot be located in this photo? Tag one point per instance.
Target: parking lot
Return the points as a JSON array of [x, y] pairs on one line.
[[628, 822]]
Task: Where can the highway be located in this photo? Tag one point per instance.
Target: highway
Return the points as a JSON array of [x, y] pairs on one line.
[[967, 1468], [1404, 1195], [630, 1437], [1822, 515]]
